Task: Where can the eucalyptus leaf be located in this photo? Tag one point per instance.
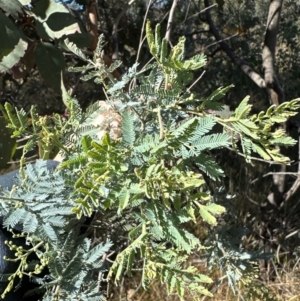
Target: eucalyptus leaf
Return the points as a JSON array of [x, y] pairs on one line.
[[51, 63], [13, 44], [12, 7]]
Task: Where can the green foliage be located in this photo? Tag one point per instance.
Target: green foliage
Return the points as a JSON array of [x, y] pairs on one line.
[[256, 132], [41, 206], [143, 186], [174, 64]]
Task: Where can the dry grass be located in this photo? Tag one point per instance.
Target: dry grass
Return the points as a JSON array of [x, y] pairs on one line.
[[284, 287], [287, 288]]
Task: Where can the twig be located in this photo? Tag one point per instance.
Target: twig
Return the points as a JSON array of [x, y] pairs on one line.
[[218, 42], [292, 234], [75, 85], [277, 254], [276, 173], [252, 201], [100, 274], [24, 138], [195, 82], [281, 173], [276, 272], [186, 13], [142, 31], [200, 12], [142, 39]]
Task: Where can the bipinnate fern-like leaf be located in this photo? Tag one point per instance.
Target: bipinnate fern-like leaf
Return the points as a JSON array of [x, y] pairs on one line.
[[207, 165], [256, 131], [209, 212], [99, 48], [18, 120], [150, 39], [123, 259], [44, 216], [212, 141], [175, 61], [41, 202], [128, 128], [243, 110], [75, 49], [211, 102], [157, 39], [97, 252], [115, 65]]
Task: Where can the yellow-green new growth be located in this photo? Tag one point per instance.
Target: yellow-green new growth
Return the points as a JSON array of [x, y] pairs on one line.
[[175, 61]]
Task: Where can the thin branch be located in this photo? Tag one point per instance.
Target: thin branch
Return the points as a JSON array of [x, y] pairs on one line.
[[276, 173], [257, 78], [200, 12], [170, 20], [224, 39], [292, 234], [195, 82], [142, 39], [186, 13]]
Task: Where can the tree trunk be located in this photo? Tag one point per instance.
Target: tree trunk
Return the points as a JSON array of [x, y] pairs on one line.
[[275, 93]]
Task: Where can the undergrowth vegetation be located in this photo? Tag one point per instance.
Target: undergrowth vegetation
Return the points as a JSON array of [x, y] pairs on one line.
[[137, 190]]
